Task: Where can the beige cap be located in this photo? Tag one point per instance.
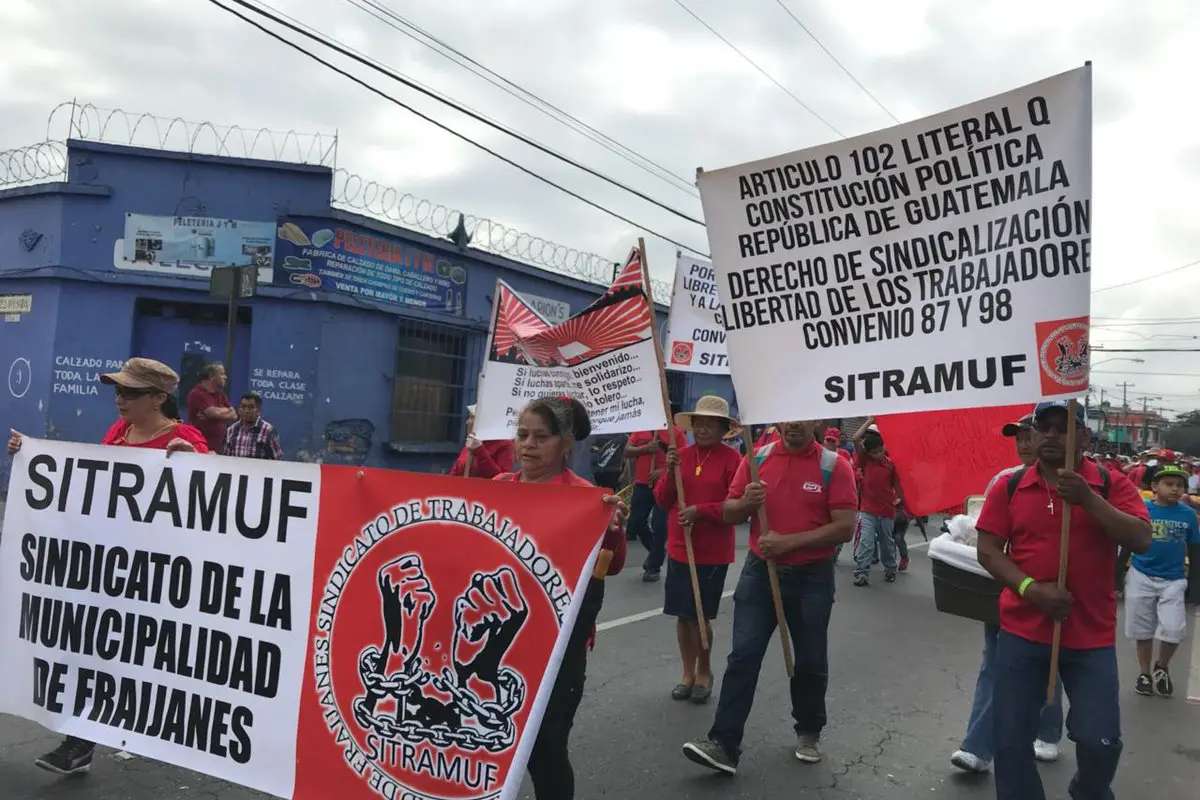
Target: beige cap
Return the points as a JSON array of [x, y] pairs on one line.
[[708, 406], [144, 373]]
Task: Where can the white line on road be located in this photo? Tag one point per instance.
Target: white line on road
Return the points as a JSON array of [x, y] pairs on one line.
[[1194, 673], [654, 612]]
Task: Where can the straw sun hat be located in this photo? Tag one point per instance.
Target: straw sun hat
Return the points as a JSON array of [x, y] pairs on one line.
[[707, 406]]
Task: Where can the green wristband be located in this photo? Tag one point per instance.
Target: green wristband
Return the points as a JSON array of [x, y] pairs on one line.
[[1024, 585]]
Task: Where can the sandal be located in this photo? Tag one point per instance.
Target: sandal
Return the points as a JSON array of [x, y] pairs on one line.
[[682, 691]]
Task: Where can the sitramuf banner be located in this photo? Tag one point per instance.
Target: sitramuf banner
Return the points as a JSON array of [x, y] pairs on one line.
[[309, 631]]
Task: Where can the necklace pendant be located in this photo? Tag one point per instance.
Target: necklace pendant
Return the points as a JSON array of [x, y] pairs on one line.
[[698, 468], [1050, 505]]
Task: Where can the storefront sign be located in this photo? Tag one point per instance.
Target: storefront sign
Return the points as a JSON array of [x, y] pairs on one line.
[[192, 246]]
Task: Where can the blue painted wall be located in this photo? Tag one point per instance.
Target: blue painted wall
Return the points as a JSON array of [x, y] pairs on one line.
[[326, 363]]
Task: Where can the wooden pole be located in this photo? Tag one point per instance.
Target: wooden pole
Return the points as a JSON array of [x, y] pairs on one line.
[[1063, 550], [467, 466], [772, 570], [680, 502]]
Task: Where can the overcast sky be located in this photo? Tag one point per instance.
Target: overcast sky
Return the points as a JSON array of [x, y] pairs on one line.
[[650, 76]]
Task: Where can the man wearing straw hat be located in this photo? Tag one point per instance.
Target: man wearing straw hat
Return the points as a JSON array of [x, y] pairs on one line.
[[811, 503], [706, 469], [1027, 513]]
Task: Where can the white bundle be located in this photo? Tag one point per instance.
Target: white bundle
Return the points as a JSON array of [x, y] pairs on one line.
[[962, 530]]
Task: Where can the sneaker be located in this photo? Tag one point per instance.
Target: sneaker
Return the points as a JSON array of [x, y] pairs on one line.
[[808, 749], [1162, 681], [904, 563], [73, 757], [861, 580], [713, 755], [1144, 685], [651, 576], [1046, 752], [969, 762], [889, 577]]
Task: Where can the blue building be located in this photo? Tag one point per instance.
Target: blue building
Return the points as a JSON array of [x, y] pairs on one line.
[[368, 356]]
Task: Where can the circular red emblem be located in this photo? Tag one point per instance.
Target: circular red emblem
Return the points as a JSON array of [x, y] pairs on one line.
[[1064, 354]]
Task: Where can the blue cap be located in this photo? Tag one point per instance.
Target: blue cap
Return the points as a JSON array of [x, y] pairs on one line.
[[1042, 408]]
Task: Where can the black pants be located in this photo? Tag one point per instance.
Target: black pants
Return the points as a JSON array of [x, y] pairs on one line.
[[609, 480], [550, 761]]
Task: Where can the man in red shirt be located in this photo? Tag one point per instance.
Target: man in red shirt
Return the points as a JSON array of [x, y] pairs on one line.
[[1019, 544], [833, 442], [647, 521], [810, 500], [208, 409], [879, 495]]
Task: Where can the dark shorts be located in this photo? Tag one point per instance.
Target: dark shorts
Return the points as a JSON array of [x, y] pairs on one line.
[[677, 589]]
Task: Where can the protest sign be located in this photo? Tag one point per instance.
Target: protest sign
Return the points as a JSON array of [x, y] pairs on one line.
[[436, 631], [160, 606], [943, 263], [604, 356], [695, 340], [168, 607]]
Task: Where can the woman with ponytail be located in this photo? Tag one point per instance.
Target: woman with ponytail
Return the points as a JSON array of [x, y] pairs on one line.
[[547, 429]]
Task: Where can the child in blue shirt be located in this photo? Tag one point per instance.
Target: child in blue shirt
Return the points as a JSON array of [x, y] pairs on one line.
[[1157, 582]]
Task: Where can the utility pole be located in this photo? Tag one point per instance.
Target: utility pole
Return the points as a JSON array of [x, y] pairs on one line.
[[1125, 387], [1146, 420]]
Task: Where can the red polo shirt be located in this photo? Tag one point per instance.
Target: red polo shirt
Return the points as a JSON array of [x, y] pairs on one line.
[[489, 459], [646, 464], [1033, 535], [878, 485], [798, 500], [706, 478], [200, 398]]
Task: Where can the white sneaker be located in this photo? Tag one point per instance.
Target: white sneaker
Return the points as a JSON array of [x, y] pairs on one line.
[[969, 762], [1045, 751]]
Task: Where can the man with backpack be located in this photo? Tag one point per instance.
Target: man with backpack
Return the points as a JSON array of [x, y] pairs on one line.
[[810, 502], [1020, 545]]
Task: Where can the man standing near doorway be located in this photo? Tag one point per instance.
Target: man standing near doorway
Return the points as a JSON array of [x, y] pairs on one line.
[[252, 436], [208, 409], [1020, 545]]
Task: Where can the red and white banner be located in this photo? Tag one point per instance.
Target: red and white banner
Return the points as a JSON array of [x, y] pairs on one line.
[[308, 631], [604, 356]]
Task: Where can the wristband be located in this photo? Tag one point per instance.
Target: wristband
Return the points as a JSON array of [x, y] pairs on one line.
[[1025, 584]]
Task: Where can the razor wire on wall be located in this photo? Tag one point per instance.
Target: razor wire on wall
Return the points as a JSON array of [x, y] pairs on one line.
[[47, 161]]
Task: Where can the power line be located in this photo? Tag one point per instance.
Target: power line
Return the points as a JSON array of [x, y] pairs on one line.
[[338, 48], [438, 124], [1147, 374], [1146, 350], [754, 64], [842, 66], [1146, 278], [413, 31]]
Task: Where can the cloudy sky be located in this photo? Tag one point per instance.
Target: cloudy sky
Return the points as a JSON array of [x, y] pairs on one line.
[[650, 76]]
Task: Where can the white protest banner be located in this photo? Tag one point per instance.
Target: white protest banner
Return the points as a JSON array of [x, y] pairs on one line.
[[160, 605], [939, 264], [603, 356], [695, 339]]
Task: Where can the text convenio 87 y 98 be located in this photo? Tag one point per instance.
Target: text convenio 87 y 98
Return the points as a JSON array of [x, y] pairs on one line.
[[943, 263]]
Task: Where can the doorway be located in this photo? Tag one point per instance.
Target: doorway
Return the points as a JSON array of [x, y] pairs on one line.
[[186, 336]]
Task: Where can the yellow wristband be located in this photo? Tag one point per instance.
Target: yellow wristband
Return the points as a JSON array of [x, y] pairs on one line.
[[1024, 585]]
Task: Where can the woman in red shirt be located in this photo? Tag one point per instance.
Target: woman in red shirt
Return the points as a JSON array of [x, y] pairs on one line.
[[488, 459], [707, 468], [547, 429], [145, 396]]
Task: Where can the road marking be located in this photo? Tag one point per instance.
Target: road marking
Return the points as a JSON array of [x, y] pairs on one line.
[[1194, 673], [632, 618], [918, 545]]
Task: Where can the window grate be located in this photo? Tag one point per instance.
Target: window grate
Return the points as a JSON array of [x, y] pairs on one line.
[[429, 394]]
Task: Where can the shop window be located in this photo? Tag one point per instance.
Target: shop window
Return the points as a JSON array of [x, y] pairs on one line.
[[428, 398], [679, 388]]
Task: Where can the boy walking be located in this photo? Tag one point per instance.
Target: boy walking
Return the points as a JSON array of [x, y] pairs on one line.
[[1157, 581]]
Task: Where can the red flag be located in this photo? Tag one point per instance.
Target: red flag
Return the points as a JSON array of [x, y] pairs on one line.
[[945, 456]]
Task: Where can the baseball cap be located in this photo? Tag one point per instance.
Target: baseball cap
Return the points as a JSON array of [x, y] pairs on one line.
[[1166, 455], [144, 373], [1169, 470], [1042, 408], [832, 433], [1013, 428]]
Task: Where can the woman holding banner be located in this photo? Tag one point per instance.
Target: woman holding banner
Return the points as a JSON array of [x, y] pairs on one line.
[[706, 468], [547, 429], [148, 418]]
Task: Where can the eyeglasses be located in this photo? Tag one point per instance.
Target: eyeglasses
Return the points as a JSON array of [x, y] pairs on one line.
[[127, 393]]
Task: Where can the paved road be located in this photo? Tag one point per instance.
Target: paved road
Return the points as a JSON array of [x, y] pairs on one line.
[[901, 688]]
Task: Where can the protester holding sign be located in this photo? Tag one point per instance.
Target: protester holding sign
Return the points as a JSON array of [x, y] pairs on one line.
[[1019, 544], [648, 522], [488, 459], [707, 468], [811, 503], [145, 398], [547, 429]]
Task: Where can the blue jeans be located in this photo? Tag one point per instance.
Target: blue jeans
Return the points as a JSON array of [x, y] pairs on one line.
[[1093, 723], [874, 531], [648, 523], [807, 593], [979, 726]]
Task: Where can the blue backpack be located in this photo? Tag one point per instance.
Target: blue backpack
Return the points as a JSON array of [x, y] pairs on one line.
[[829, 460]]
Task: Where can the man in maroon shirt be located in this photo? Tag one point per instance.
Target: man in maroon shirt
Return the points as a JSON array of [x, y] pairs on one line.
[[1019, 544], [879, 493], [208, 408]]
